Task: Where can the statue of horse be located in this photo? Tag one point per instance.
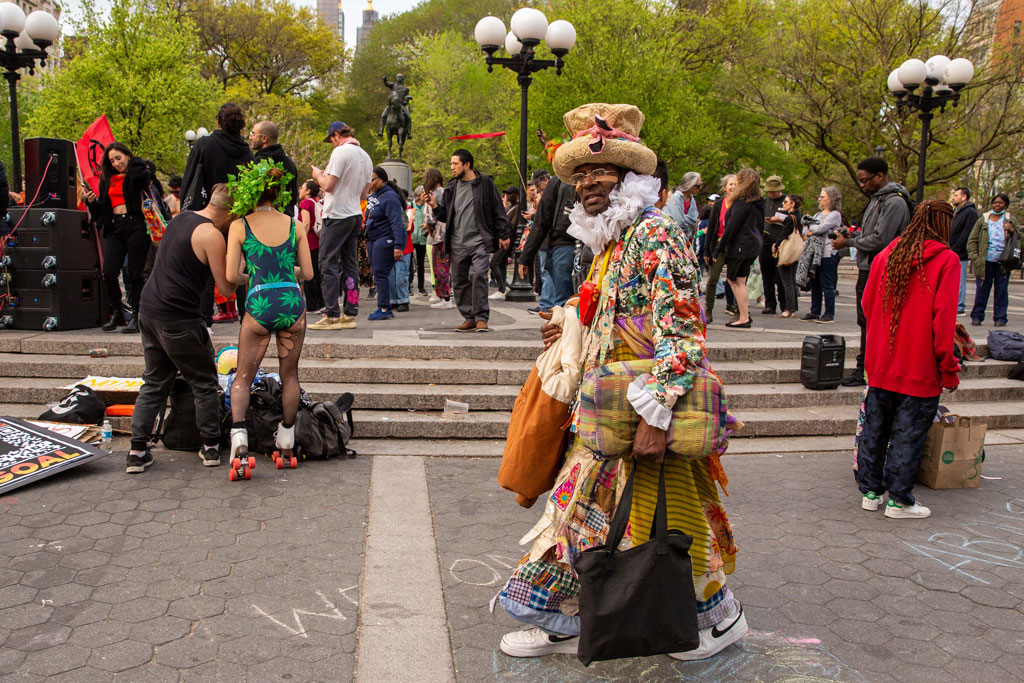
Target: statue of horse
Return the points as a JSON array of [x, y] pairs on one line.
[[395, 124]]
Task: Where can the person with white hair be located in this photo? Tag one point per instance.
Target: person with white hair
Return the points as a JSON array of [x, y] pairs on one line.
[[682, 205]]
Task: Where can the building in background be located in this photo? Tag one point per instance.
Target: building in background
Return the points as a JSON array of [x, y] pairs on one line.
[[993, 24], [331, 14], [370, 18]]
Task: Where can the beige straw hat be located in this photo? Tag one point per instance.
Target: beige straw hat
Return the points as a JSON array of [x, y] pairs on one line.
[[604, 133]]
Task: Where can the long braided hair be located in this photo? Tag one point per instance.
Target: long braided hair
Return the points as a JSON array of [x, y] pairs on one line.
[[931, 221]]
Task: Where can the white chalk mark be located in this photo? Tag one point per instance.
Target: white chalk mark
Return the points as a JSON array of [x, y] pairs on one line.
[[300, 629], [469, 564], [927, 552], [344, 593]]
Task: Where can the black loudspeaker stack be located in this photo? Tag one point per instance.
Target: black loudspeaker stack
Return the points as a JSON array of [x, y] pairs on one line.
[[49, 268], [51, 166]]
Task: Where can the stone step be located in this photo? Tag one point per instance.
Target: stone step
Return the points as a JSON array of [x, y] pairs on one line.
[[343, 371], [492, 397], [434, 448]]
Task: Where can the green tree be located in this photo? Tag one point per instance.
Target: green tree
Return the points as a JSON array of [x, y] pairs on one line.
[[138, 64]]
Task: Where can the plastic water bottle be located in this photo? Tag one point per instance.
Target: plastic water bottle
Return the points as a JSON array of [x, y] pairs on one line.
[[107, 436]]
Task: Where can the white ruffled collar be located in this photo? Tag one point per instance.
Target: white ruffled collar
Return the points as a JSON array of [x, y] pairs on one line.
[[636, 193]]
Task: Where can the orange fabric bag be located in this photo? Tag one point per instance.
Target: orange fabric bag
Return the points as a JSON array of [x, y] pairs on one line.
[[538, 430]]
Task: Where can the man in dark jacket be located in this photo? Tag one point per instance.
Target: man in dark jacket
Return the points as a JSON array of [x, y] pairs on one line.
[[964, 218], [214, 157], [263, 140], [211, 160], [472, 210], [773, 199], [885, 217], [551, 223]]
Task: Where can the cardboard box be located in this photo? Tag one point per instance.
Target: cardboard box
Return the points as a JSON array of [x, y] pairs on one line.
[[953, 453]]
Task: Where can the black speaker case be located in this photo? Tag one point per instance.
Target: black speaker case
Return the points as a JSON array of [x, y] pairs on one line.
[[76, 301], [822, 361], [58, 187], [71, 240]]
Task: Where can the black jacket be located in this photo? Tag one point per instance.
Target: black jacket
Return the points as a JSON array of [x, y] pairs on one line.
[[213, 157], [963, 222], [487, 207], [711, 236], [772, 231], [277, 154], [137, 180], [744, 224], [551, 220]]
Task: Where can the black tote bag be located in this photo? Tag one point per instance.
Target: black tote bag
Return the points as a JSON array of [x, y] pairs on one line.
[[637, 602]]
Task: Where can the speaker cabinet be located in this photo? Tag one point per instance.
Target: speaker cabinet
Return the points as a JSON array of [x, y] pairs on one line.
[[51, 166], [51, 239], [51, 301]]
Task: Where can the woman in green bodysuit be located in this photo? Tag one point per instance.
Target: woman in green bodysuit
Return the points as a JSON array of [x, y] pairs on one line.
[[269, 252]]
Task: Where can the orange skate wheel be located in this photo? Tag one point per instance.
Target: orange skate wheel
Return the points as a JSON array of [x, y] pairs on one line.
[[279, 462], [247, 473], [252, 462], [235, 463], [232, 474], [294, 462]]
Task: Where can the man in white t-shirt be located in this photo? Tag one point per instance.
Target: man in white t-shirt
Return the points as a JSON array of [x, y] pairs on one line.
[[344, 183]]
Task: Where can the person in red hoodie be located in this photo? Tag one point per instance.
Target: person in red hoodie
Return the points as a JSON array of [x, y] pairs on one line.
[[910, 304]]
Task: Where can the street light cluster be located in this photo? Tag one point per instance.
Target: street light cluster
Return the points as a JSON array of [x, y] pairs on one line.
[[27, 41], [940, 80], [529, 28]]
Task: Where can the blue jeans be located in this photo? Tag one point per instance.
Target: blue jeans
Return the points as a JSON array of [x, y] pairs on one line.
[[997, 277], [399, 280], [961, 305], [382, 261], [892, 442], [556, 277], [824, 286]]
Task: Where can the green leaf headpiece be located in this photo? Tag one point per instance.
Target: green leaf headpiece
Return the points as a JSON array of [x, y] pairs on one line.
[[252, 181]]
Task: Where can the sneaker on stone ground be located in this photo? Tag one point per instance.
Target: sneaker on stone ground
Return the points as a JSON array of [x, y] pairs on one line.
[[210, 456], [535, 309], [826, 319], [894, 510], [326, 323], [715, 639], [767, 310], [975, 323], [401, 308], [497, 295], [534, 642], [422, 292], [871, 501], [134, 464], [380, 315], [809, 318], [447, 304], [434, 298]]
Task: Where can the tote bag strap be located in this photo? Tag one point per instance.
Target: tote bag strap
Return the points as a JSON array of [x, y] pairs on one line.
[[659, 528]]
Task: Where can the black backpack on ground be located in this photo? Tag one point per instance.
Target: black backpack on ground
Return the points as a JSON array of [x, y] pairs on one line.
[[322, 430], [177, 426], [82, 406], [1005, 345]]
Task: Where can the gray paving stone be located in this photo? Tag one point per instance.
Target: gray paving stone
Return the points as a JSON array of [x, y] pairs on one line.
[[121, 656]]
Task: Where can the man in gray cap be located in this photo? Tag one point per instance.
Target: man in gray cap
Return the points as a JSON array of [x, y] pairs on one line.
[[773, 188]]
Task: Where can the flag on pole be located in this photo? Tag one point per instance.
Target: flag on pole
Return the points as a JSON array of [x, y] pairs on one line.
[[90, 149], [478, 136]]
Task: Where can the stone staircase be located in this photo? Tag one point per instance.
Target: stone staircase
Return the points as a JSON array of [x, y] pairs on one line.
[[400, 388]]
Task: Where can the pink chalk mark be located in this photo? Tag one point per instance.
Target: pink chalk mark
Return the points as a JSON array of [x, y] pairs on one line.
[[803, 641]]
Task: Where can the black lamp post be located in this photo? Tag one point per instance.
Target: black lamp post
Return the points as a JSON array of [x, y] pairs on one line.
[[27, 40], [940, 80], [529, 28]]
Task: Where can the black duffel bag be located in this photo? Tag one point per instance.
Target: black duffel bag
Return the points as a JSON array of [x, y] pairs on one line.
[[637, 602], [82, 406]]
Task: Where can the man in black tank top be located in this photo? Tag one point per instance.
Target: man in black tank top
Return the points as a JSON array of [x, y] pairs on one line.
[[174, 335]]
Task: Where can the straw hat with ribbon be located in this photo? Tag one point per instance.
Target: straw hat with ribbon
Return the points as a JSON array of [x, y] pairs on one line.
[[604, 133]]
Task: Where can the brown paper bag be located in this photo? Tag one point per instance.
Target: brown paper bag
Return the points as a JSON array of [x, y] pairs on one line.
[[953, 453]]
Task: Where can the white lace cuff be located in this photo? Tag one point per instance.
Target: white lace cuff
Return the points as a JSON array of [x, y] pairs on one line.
[[646, 406]]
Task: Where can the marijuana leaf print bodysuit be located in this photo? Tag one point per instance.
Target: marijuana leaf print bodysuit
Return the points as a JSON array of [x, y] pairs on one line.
[[275, 299]]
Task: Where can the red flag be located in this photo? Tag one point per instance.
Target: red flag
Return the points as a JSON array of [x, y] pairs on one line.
[[477, 136], [90, 149]]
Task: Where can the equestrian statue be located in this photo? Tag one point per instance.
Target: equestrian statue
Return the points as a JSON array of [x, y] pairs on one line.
[[395, 118]]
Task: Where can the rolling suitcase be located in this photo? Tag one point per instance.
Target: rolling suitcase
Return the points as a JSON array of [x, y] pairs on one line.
[[822, 361]]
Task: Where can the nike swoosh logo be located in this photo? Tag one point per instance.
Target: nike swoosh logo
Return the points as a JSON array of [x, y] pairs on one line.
[[715, 633]]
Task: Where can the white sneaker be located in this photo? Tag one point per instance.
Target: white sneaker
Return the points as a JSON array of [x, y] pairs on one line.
[[894, 510], [447, 304], [438, 304], [497, 295], [715, 639], [871, 501], [534, 642], [434, 298]]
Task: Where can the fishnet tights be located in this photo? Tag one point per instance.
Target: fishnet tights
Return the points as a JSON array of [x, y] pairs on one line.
[[253, 340]]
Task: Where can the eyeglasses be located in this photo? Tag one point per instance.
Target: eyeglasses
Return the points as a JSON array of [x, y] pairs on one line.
[[866, 180], [598, 175]]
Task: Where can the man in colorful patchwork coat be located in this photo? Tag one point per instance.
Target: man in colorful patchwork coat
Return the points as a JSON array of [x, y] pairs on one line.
[[643, 307]]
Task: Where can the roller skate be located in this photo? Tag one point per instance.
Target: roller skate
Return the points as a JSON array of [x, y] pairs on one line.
[[242, 463], [284, 439]]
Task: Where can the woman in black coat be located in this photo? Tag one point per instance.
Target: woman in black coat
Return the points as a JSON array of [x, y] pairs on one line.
[[742, 239], [117, 211]]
